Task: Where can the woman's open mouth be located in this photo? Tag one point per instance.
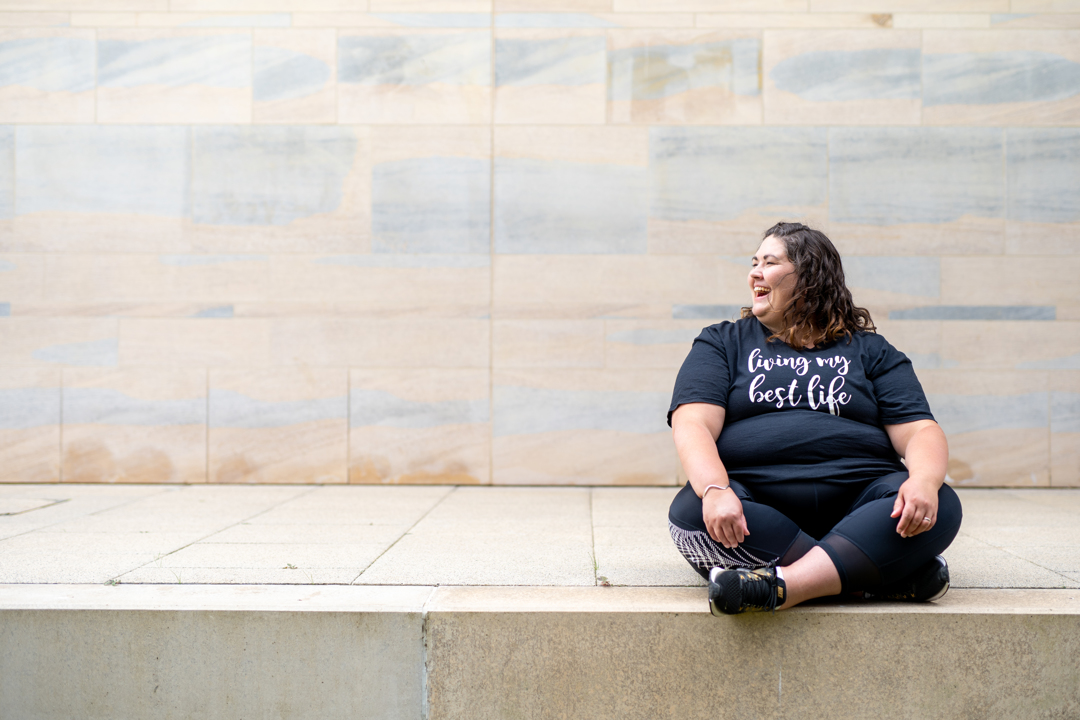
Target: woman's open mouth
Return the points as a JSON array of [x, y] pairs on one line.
[[760, 292]]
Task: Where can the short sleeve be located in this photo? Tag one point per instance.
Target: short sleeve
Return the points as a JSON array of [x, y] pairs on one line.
[[900, 397], [704, 376]]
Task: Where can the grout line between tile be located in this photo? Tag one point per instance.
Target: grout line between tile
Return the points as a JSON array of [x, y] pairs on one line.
[[592, 538], [222, 529], [419, 520], [491, 256]]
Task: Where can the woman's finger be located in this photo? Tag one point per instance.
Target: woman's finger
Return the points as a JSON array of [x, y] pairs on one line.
[[903, 526]]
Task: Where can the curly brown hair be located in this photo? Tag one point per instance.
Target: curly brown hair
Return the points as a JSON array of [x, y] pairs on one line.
[[821, 308]]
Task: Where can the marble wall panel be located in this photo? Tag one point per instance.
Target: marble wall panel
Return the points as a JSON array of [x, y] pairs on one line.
[[414, 76], [1014, 77], [547, 343], [794, 20], [294, 76], [997, 424], [844, 77], [387, 19], [661, 344], [94, 188], [1043, 179], [427, 6], [7, 181], [684, 77], [573, 14], [917, 190], [590, 427], [1014, 281], [213, 279], [562, 190], [194, 342], [715, 190], [58, 342], [1065, 428], [889, 285], [397, 343], [919, 340], [280, 188], [278, 426], [711, 5], [34, 19], [550, 76], [46, 76], [592, 286], [174, 76], [21, 278], [419, 426], [1031, 6], [183, 19], [384, 285], [29, 425], [553, 6], [892, 6], [1012, 345], [431, 190], [1045, 21], [134, 425], [256, 6]]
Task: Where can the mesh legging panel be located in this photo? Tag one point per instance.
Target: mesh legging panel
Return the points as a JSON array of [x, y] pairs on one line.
[[856, 570]]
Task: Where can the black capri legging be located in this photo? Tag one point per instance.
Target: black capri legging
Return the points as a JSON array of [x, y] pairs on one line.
[[849, 522]]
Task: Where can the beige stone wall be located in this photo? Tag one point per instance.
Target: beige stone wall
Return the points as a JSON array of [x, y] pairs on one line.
[[470, 241]]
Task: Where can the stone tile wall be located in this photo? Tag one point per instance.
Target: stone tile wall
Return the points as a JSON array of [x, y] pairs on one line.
[[470, 241]]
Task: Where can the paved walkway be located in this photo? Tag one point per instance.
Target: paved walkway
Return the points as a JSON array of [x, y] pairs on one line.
[[427, 536]]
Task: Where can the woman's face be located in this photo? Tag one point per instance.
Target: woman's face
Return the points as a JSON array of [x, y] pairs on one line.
[[772, 280]]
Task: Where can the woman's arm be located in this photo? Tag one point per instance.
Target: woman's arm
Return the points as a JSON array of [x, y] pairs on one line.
[[695, 428], [923, 446]]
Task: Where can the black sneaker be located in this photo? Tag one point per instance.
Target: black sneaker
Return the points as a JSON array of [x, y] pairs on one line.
[[926, 584], [734, 591]]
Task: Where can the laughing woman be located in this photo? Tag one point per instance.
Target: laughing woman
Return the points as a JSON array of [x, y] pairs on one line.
[[791, 424]]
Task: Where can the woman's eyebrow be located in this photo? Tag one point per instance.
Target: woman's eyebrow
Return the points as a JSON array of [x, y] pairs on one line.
[[763, 257]]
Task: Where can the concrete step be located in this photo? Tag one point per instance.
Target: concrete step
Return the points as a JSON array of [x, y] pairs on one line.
[[423, 652]]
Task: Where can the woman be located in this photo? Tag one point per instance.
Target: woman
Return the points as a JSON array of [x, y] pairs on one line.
[[790, 424]]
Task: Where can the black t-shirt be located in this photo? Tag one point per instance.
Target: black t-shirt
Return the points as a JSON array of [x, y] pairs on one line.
[[801, 414]]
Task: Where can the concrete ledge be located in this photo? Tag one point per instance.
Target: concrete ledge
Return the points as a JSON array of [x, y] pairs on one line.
[[182, 651]]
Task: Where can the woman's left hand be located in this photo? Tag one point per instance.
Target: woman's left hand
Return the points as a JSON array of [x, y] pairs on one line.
[[916, 505]]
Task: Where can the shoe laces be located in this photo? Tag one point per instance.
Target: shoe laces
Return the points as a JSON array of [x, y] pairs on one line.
[[757, 581]]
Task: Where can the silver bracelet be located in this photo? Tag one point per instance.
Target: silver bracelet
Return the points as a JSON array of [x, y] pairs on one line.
[[718, 487]]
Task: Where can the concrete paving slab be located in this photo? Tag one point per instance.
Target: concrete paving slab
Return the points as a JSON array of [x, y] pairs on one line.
[[630, 507], [591, 654], [253, 533], [267, 598], [1007, 536], [19, 505], [1057, 498], [239, 663], [975, 564], [446, 535], [275, 556], [644, 556], [76, 565], [153, 575], [531, 511], [464, 558], [357, 505], [1058, 558]]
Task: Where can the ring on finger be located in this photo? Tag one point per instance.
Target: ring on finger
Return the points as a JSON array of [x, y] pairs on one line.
[[926, 519]]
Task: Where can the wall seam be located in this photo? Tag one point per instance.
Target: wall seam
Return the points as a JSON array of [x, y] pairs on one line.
[[491, 255]]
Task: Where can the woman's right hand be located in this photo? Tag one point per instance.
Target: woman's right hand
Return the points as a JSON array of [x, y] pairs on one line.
[[723, 514]]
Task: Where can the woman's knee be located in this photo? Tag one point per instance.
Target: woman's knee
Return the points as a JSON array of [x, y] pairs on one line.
[[685, 510], [950, 513]]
